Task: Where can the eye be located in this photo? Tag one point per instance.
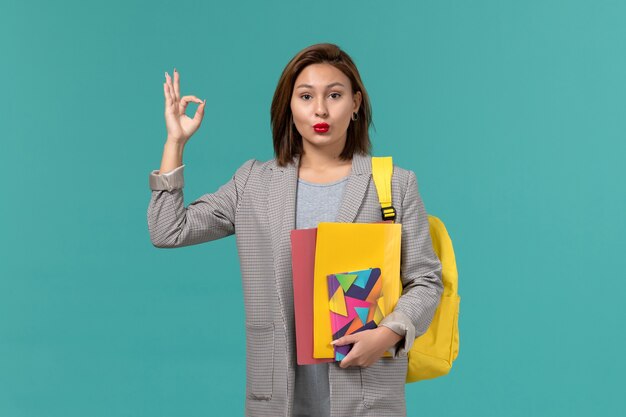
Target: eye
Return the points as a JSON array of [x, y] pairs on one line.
[[336, 94], [305, 95]]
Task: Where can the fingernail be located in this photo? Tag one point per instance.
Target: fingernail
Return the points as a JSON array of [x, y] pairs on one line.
[[174, 69]]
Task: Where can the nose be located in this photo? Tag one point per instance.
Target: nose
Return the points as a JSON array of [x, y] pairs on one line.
[[320, 108]]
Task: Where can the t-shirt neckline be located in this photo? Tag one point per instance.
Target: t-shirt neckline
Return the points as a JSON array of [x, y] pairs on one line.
[[324, 184]]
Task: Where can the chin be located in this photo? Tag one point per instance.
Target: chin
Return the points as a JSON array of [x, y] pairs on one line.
[[321, 141]]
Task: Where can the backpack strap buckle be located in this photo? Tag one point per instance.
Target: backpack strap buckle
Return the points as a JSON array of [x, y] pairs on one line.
[[389, 213]]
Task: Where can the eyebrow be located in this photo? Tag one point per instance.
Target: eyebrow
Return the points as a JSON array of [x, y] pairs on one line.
[[328, 86]]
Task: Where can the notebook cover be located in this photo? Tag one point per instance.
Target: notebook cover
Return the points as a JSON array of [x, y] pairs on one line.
[[356, 303]]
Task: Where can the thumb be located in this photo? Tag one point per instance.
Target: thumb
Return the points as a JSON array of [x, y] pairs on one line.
[[197, 118]]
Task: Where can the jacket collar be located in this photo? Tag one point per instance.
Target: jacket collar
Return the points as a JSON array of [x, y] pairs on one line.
[[361, 164], [283, 187]]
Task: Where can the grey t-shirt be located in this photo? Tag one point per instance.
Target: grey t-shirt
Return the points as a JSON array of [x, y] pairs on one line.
[[315, 203]]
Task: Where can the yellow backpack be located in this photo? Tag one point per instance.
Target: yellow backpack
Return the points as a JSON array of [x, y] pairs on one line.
[[433, 352]]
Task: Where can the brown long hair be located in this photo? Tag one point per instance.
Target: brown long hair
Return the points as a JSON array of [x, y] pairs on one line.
[[287, 139]]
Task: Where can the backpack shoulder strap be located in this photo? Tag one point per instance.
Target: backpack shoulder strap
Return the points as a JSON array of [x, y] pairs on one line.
[[382, 170]]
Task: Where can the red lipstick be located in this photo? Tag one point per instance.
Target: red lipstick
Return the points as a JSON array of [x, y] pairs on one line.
[[321, 127]]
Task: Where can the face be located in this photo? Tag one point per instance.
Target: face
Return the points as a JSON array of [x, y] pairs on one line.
[[322, 94]]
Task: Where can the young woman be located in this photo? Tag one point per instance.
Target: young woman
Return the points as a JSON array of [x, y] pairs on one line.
[[320, 118]]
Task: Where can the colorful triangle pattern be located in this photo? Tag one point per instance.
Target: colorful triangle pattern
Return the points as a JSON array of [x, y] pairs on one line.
[[338, 303], [356, 304], [345, 280]]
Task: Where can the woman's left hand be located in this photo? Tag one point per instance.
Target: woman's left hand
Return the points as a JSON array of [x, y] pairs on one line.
[[369, 346]]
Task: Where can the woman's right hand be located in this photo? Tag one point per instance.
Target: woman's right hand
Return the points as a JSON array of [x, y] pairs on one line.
[[180, 127]]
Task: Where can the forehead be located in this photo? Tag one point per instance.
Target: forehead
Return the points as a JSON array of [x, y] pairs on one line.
[[320, 75]]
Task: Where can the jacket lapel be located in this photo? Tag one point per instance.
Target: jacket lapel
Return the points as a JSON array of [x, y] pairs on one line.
[[281, 219], [356, 187]]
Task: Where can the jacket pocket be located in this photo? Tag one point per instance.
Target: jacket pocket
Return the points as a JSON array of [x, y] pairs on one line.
[[383, 384], [259, 360]]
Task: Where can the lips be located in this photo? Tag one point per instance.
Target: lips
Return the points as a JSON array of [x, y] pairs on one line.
[[321, 127]]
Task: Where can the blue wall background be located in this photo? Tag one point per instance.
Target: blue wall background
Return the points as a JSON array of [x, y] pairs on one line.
[[512, 115]]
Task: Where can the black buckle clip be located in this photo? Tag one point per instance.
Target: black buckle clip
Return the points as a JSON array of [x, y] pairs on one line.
[[389, 213]]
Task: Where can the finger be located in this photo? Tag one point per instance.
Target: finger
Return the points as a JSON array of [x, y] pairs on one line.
[[347, 360], [170, 86], [167, 87], [166, 93], [197, 118], [167, 90], [176, 84], [185, 101], [344, 340]]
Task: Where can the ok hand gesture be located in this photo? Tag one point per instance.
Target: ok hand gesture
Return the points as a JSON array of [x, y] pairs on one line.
[[179, 126]]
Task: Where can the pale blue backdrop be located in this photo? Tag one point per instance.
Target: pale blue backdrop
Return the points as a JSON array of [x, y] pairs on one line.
[[511, 113]]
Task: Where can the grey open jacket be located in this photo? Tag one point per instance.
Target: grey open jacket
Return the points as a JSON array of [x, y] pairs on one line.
[[258, 205]]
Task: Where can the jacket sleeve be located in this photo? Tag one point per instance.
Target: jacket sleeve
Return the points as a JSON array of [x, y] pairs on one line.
[[420, 270], [210, 217]]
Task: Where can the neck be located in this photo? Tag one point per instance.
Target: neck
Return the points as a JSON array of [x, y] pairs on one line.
[[321, 158]]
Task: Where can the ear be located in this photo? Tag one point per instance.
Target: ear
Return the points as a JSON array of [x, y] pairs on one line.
[[357, 101]]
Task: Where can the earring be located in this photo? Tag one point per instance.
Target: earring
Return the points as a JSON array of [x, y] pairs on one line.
[[355, 116]]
